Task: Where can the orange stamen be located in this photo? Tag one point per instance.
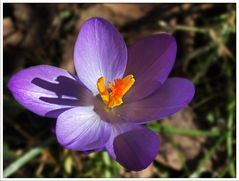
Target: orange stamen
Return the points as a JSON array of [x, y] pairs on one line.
[[118, 90]]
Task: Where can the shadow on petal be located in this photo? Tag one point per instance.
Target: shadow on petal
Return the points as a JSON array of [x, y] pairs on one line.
[[48, 91], [69, 92]]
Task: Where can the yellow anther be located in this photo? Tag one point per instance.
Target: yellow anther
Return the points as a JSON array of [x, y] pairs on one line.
[[118, 90], [103, 90]]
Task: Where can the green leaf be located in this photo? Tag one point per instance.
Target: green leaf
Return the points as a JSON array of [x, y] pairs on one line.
[[17, 164]]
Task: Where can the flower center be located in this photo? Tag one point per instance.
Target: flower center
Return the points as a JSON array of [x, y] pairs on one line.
[[118, 90]]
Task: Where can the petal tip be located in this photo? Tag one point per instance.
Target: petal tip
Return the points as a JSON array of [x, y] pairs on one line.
[[191, 90], [136, 149]]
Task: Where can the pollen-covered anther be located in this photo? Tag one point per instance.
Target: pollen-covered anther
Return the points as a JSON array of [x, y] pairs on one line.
[[118, 90]]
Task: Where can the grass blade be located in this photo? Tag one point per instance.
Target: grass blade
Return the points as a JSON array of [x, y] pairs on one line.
[[13, 167]]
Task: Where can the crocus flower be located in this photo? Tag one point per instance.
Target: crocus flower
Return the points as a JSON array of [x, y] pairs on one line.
[[116, 90]]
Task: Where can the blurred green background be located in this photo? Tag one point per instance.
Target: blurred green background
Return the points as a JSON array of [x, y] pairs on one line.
[[198, 141]]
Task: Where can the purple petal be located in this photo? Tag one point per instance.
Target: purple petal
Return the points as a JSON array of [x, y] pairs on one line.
[[150, 60], [99, 51], [172, 96], [48, 91], [82, 129], [136, 149], [119, 127]]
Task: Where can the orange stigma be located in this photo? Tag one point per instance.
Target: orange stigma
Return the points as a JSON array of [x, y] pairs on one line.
[[118, 90]]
